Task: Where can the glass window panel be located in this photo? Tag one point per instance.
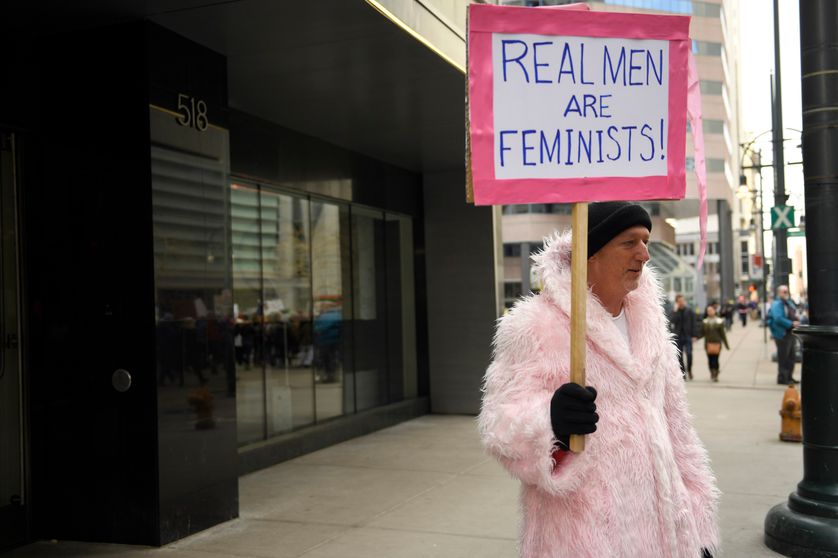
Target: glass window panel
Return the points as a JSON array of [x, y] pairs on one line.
[[512, 289], [512, 250], [401, 327], [369, 308], [247, 289], [713, 126], [674, 6], [706, 9], [289, 348], [331, 292], [710, 87], [707, 48], [715, 165]]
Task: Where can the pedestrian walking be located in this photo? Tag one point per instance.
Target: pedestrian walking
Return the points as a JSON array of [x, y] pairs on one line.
[[742, 310], [728, 309], [682, 325], [781, 319], [713, 332], [643, 485]]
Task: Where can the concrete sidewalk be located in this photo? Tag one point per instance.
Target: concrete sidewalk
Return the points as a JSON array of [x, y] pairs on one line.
[[425, 489]]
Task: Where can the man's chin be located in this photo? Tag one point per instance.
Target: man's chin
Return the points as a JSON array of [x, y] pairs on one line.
[[632, 283]]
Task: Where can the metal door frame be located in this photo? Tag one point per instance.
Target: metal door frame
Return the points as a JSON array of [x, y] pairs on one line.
[[15, 515]]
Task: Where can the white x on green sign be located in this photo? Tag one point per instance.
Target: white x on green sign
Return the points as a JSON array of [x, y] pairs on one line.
[[782, 217]]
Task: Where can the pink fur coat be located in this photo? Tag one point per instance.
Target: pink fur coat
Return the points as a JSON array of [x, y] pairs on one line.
[[643, 487]]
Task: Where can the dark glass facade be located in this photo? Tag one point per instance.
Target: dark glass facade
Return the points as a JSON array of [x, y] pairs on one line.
[[188, 290], [324, 308], [175, 310]]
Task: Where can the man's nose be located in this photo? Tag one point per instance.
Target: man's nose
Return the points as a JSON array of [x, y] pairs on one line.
[[643, 253]]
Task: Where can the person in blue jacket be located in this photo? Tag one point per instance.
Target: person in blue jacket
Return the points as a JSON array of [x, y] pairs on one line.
[[782, 318], [327, 339]]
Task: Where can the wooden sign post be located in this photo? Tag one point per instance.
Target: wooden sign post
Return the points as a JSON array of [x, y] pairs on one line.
[[578, 305]]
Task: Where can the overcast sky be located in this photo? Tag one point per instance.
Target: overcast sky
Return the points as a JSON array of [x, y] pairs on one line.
[[757, 63]]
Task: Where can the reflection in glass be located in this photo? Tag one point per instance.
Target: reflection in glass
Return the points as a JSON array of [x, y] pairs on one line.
[[193, 298], [324, 305], [370, 332], [287, 295], [331, 281], [247, 289]]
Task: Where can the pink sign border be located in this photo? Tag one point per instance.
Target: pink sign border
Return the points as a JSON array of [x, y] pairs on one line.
[[485, 20]]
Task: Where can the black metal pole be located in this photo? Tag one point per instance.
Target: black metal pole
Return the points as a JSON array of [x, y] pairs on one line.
[[761, 247], [807, 524], [781, 268]]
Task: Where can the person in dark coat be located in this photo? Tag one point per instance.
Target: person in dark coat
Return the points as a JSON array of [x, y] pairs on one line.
[[742, 310], [682, 324], [728, 309]]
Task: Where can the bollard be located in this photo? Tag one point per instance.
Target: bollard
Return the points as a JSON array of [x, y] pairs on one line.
[[790, 413]]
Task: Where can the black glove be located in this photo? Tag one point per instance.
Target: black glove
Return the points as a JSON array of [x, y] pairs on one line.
[[705, 553], [573, 411]]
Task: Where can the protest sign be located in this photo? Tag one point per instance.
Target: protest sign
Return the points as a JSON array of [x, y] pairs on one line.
[[579, 106], [576, 106]]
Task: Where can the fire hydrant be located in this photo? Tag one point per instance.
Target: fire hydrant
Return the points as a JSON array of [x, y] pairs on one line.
[[790, 413]]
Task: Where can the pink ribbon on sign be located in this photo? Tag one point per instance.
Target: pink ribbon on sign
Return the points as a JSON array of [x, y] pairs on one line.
[[694, 114]]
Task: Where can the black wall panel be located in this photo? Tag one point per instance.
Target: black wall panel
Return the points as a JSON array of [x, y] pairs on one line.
[[96, 454]]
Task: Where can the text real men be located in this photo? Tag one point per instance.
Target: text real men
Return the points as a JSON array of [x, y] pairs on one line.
[[590, 88]]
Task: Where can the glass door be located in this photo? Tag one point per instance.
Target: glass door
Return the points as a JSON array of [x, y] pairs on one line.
[[12, 486]]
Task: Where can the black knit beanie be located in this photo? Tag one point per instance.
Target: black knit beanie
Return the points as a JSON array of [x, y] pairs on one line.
[[608, 219]]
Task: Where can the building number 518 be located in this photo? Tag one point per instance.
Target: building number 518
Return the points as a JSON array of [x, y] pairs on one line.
[[193, 113]]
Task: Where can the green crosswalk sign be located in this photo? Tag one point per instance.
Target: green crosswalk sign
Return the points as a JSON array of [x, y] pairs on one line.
[[782, 217]]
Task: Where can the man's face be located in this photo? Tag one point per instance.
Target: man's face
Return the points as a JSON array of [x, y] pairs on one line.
[[783, 292], [679, 302], [617, 267]]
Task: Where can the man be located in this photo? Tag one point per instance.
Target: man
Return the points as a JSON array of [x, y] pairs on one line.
[[682, 324], [781, 319], [742, 310], [643, 486]]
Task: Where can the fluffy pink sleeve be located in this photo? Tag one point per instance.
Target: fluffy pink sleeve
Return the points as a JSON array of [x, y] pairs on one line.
[[692, 459], [514, 420]]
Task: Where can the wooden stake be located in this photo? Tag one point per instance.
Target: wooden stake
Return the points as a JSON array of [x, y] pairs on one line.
[[578, 305]]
